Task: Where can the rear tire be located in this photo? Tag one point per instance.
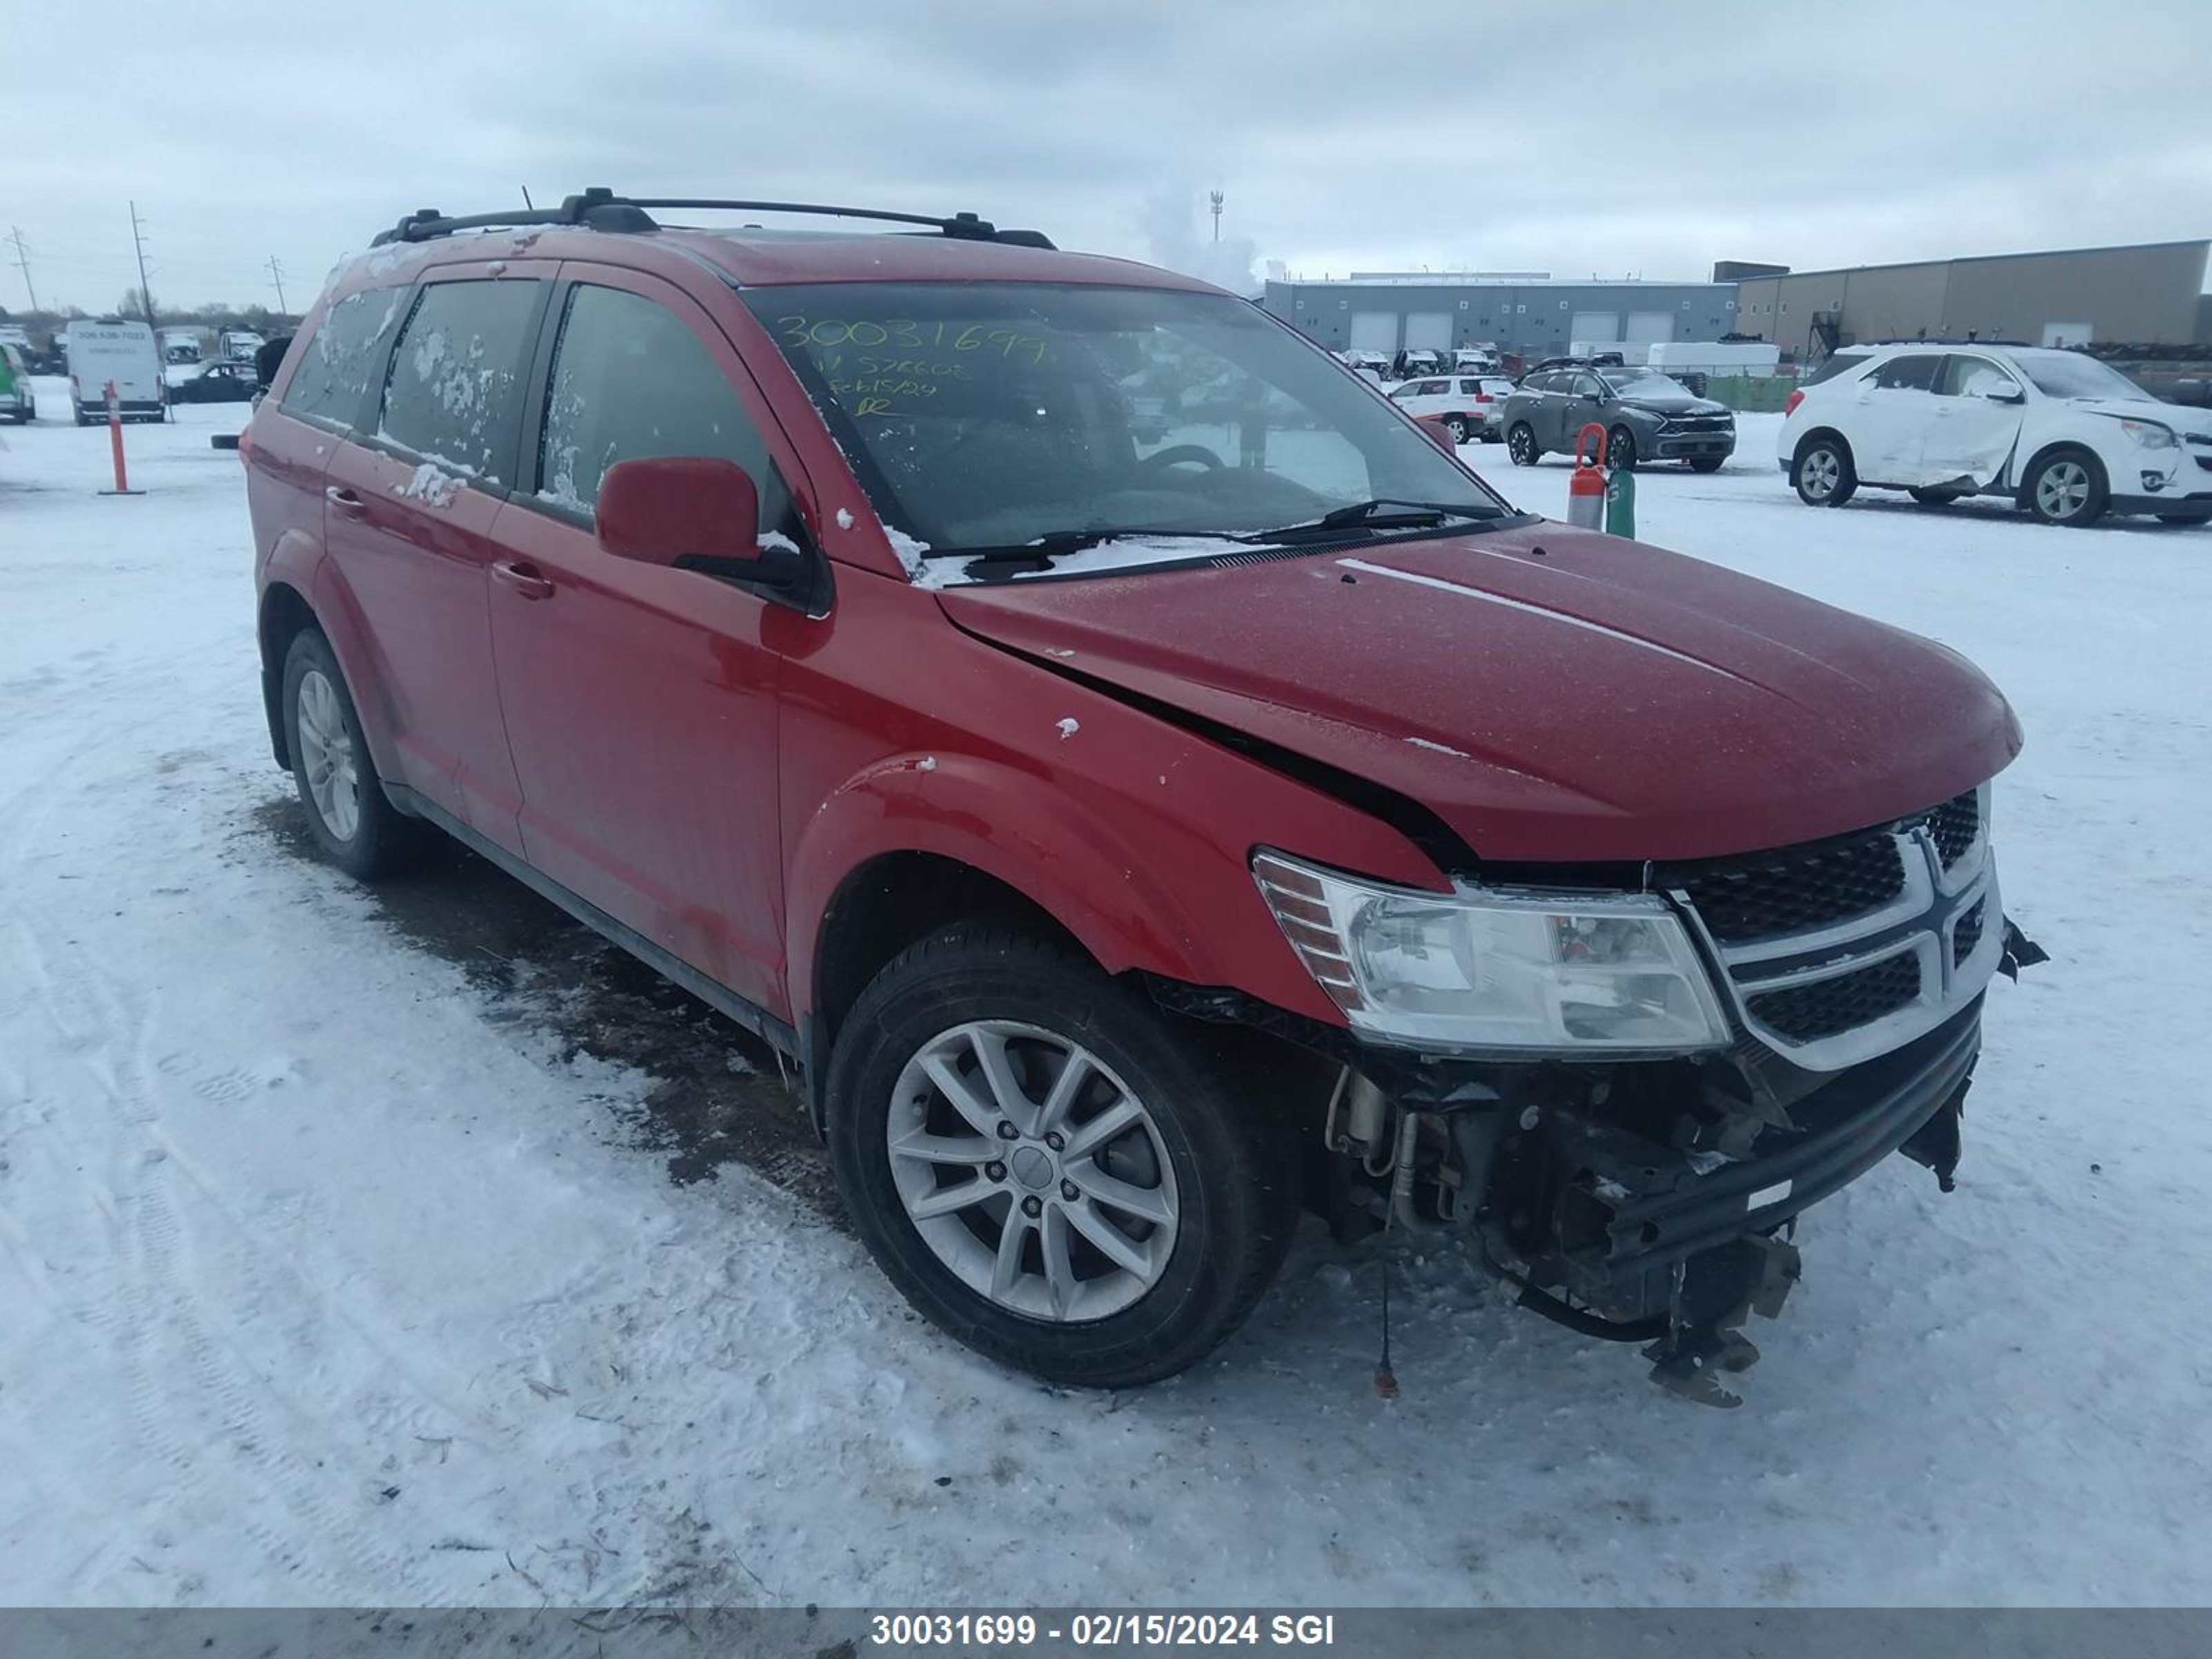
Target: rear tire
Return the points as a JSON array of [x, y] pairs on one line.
[[1822, 473], [1456, 425], [2067, 487], [353, 825], [1201, 1197], [1520, 444]]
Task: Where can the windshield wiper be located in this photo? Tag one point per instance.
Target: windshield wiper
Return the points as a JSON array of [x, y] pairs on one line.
[[1055, 542], [1371, 515]]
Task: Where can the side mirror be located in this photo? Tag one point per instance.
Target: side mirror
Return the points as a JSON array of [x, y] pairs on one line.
[[691, 512], [2006, 393]]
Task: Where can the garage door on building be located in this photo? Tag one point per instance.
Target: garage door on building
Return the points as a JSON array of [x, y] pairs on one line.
[[1375, 330], [1429, 330], [1596, 326], [1646, 327]]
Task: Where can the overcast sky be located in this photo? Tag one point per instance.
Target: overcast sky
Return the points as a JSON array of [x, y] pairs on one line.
[[1382, 134]]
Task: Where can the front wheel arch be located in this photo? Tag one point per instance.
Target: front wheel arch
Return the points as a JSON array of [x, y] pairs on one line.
[[886, 903]]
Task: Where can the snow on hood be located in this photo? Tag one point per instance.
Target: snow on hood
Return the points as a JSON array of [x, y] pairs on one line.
[[1597, 699], [1679, 403]]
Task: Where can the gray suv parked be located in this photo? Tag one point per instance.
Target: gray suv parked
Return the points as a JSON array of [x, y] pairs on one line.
[[1647, 417]]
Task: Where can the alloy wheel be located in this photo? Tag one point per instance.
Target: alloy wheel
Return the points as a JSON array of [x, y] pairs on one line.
[[2062, 489], [1820, 472], [1031, 1171], [327, 758]]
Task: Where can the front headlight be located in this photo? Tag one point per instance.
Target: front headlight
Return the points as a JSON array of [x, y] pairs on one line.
[[2149, 434], [1491, 968]]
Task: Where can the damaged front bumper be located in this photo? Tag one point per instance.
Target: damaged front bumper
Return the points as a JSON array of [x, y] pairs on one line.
[[1633, 1207], [1634, 1240]]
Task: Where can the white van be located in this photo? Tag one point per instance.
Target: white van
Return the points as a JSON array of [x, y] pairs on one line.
[[119, 351]]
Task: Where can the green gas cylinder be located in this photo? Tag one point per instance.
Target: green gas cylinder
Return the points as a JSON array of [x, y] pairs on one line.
[[1620, 503]]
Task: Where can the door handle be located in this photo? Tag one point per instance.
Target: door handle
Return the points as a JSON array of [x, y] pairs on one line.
[[523, 579], [342, 499]]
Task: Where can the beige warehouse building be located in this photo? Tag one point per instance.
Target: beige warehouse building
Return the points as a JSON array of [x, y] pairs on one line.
[[2147, 292]]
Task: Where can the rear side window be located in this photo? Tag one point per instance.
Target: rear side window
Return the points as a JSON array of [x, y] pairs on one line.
[[339, 363], [1914, 372], [455, 391], [630, 380], [1842, 363]]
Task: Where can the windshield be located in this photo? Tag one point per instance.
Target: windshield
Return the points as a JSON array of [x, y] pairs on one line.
[[1645, 382], [994, 415], [2064, 374]]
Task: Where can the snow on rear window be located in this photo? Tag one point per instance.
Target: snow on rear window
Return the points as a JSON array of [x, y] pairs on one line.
[[455, 390]]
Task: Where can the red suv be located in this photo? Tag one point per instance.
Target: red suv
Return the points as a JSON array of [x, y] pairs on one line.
[[1145, 786]]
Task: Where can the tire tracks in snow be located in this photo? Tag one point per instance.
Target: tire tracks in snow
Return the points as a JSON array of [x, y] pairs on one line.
[[199, 1406]]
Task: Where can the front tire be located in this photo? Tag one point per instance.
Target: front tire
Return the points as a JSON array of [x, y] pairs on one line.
[[1620, 450], [2067, 487], [1822, 473], [1520, 444], [1707, 463], [1048, 1170], [353, 825]]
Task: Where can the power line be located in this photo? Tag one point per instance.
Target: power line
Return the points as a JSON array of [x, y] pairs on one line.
[[23, 260], [145, 294]]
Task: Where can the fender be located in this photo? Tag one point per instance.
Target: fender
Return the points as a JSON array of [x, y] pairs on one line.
[[343, 623], [1167, 904], [291, 563], [1013, 826]]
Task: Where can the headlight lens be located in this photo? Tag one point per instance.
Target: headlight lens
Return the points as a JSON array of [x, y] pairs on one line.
[[1486, 967], [2149, 434]]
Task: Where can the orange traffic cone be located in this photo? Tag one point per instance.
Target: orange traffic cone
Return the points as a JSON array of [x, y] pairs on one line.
[[1586, 489]]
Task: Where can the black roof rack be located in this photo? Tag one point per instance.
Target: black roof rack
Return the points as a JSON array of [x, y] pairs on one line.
[[600, 209]]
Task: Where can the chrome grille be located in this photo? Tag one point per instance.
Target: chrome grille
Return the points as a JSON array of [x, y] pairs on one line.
[[1967, 933], [1838, 951], [1764, 897], [1954, 825], [1827, 1007]]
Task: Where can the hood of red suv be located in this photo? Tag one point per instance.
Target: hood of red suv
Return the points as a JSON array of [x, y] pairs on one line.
[[1553, 695]]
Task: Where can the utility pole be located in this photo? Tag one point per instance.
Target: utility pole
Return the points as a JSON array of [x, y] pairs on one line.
[[1213, 197], [145, 294], [277, 276], [23, 260]]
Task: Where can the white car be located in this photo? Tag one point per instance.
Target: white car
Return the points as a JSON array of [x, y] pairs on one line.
[[2067, 438], [1467, 404]]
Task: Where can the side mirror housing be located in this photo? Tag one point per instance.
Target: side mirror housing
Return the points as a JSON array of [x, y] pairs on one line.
[[692, 512], [2006, 393]]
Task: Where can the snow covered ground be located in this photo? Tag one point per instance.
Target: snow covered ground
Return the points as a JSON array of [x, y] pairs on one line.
[[341, 1260]]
